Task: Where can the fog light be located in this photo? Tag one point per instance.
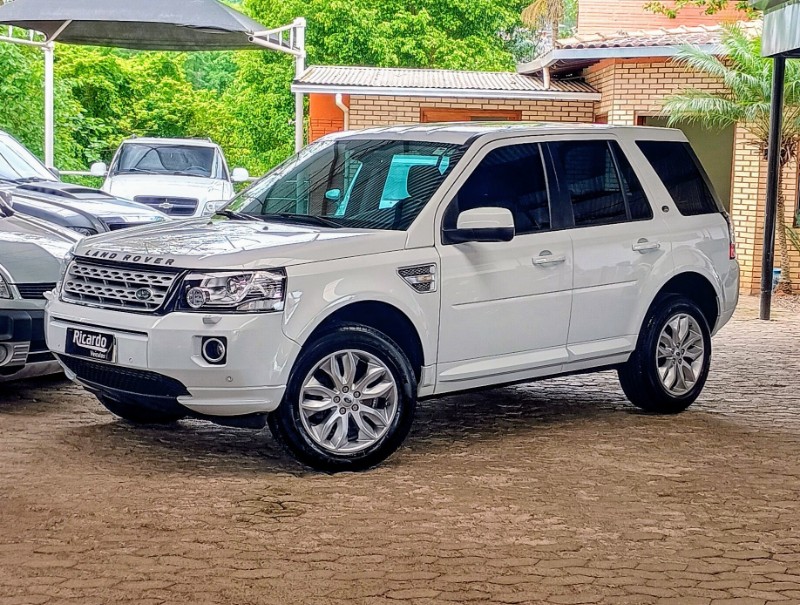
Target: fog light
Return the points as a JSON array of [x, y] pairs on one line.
[[215, 350], [5, 354]]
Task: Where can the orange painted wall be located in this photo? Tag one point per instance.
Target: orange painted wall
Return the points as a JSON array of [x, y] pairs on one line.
[[324, 117], [610, 16]]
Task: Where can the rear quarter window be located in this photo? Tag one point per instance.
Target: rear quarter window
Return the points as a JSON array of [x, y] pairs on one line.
[[683, 176]]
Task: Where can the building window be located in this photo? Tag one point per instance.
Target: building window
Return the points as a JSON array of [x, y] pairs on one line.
[[436, 114]]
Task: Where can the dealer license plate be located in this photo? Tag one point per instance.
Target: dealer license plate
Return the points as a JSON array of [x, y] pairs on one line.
[[94, 345]]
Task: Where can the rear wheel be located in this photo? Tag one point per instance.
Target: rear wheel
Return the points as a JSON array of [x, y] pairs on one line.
[[138, 413], [668, 370], [350, 400]]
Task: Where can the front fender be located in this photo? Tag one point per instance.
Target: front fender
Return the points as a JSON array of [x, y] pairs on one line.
[[315, 291]]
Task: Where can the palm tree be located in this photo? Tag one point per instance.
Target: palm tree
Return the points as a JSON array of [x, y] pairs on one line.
[[746, 102], [544, 13]]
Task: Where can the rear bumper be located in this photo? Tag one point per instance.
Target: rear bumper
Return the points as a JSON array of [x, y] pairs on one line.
[[23, 351]]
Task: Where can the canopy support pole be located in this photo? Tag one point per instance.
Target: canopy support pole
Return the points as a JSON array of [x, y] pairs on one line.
[[49, 105], [299, 69], [773, 179]]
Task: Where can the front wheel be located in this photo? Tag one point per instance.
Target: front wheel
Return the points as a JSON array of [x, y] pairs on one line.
[[669, 367], [350, 400]]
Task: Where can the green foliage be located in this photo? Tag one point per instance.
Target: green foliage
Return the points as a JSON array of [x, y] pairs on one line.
[[710, 7], [748, 79], [241, 100]]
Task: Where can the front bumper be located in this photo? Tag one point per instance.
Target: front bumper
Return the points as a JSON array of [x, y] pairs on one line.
[[159, 357], [24, 351]]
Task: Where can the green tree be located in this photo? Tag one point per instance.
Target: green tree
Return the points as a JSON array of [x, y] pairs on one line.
[[746, 102]]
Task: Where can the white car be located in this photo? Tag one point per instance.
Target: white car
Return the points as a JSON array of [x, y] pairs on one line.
[[179, 177], [31, 254], [381, 267]]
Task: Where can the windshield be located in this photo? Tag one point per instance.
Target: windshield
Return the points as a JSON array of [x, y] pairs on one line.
[[183, 160], [19, 164], [369, 184]]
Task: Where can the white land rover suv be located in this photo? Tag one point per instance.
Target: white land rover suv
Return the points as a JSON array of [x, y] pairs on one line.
[[380, 267]]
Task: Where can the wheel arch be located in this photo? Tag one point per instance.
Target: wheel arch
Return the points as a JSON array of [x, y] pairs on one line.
[[697, 288], [385, 318]]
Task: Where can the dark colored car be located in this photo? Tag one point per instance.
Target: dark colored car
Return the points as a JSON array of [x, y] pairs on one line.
[[37, 192]]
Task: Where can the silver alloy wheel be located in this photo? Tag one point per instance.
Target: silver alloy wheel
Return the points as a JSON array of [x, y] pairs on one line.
[[348, 401], [680, 354]]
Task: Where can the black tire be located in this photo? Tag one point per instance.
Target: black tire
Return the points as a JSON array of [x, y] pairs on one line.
[[639, 377], [286, 424], [138, 413]]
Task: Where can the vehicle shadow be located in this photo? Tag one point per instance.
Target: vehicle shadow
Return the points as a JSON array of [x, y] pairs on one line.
[[202, 447], [32, 395]]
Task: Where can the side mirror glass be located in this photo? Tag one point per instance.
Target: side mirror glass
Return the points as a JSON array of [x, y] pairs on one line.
[[482, 225], [6, 205], [333, 195], [239, 175], [98, 169]]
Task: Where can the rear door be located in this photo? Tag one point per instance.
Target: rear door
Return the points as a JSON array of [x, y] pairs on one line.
[[617, 243]]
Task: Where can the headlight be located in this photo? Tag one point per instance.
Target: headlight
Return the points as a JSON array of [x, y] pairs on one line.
[[63, 272], [5, 291], [234, 292], [211, 207]]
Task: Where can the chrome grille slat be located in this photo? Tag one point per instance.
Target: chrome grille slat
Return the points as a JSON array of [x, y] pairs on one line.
[[111, 287]]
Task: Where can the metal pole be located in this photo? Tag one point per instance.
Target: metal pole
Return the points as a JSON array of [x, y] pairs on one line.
[[299, 69], [49, 112], [773, 174]]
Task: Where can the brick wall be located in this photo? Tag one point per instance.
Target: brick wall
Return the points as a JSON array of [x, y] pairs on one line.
[[367, 111], [604, 17], [633, 88]]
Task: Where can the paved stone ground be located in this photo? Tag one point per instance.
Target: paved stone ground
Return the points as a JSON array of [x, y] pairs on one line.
[[554, 492]]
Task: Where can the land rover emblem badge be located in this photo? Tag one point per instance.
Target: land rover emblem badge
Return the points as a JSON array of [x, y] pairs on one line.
[[143, 294]]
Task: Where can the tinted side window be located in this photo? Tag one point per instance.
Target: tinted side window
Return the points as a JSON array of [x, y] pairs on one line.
[[600, 184], [682, 175], [509, 177], [638, 204]]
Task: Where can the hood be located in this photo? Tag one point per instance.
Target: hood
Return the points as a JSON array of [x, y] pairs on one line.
[[130, 186], [31, 250], [228, 244], [92, 201]]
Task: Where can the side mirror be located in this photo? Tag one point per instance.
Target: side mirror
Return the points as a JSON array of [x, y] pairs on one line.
[[239, 175], [333, 195], [482, 225], [6, 205], [98, 169]]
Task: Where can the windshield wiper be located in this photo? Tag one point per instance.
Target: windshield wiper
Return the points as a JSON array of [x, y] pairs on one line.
[[194, 174], [302, 218], [236, 216]]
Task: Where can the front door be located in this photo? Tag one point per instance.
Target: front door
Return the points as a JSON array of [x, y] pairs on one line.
[[506, 305]]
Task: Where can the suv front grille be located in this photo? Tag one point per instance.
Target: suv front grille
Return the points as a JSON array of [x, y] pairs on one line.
[[112, 287], [34, 291], [174, 206]]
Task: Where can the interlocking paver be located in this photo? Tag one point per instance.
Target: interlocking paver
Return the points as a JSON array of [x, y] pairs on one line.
[[553, 492]]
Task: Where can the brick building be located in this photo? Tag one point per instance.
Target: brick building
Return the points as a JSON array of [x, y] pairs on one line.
[[617, 69]]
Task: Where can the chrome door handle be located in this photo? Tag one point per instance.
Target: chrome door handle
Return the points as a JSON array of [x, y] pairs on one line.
[[644, 246], [546, 258]]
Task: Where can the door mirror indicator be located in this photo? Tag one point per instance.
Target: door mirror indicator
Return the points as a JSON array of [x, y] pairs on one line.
[[481, 225]]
